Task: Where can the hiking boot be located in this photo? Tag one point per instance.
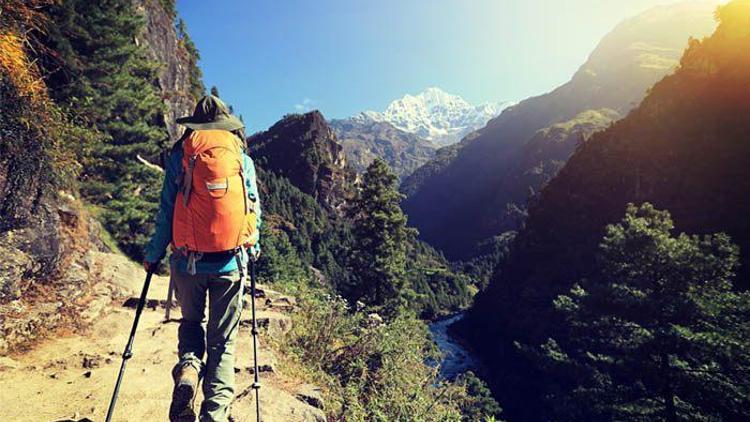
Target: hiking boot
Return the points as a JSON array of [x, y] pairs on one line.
[[183, 397]]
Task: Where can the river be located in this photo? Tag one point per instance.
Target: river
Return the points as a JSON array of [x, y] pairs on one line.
[[456, 359]]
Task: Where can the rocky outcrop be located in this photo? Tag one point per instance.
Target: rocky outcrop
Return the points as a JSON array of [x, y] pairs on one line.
[[54, 274], [305, 150], [164, 46]]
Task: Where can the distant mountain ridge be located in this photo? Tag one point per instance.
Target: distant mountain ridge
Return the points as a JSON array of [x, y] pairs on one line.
[[434, 115], [482, 183], [363, 141]]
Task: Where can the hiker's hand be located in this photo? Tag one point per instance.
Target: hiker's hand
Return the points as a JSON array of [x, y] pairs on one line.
[[254, 253], [149, 266]]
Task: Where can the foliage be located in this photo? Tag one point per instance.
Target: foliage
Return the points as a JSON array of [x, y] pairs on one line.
[[434, 288], [294, 217], [100, 72], [660, 333], [373, 371], [488, 256], [20, 17], [479, 404], [300, 234], [378, 258], [36, 157], [280, 263]]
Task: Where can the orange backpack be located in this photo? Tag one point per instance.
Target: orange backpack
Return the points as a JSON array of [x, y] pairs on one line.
[[212, 212]]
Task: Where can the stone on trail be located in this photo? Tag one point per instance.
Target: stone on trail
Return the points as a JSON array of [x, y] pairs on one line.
[[244, 357], [91, 361], [7, 363], [274, 323], [283, 303], [75, 420], [276, 405], [311, 395]]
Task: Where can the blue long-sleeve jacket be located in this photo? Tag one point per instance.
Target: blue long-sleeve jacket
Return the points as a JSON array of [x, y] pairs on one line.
[[157, 247]]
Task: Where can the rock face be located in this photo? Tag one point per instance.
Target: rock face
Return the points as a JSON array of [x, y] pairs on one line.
[[480, 179], [162, 42], [685, 149], [363, 141], [305, 150], [50, 277]]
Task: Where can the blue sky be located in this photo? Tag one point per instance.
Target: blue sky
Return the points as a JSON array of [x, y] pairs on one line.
[[272, 57]]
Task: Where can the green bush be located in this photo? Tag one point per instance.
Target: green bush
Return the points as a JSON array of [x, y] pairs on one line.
[[371, 371]]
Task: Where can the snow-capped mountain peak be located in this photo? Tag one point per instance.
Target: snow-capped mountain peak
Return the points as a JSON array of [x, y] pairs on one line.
[[435, 115]]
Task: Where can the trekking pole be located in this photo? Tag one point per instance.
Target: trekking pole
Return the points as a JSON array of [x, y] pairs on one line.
[[170, 294], [128, 353], [256, 383]]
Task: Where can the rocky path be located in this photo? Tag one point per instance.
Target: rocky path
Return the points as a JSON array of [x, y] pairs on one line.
[[71, 378]]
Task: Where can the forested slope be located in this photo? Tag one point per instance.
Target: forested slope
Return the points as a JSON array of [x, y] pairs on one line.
[[685, 149]]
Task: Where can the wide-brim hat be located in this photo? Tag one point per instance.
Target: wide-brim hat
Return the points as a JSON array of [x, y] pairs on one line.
[[211, 113]]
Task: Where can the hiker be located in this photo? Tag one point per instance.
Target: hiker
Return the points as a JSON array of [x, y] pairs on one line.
[[210, 214]]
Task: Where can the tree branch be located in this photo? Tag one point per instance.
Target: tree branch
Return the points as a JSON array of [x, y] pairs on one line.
[[148, 164]]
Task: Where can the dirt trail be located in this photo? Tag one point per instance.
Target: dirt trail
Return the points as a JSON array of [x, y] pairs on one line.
[[72, 377]]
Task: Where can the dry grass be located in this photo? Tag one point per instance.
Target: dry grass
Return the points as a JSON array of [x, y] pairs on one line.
[[15, 64]]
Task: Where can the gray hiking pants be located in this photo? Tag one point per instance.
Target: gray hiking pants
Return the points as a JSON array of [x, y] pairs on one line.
[[218, 340]]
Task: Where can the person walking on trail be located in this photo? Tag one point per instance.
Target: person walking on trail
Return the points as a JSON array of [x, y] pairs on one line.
[[210, 214]]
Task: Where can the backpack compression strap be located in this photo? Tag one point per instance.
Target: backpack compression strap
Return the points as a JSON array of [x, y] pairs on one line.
[[187, 181]]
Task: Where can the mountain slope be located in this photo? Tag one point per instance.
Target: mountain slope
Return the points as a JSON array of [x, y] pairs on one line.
[[51, 275], [304, 149], [364, 140], [434, 115], [546, 152], [685, 149], [480, 181]]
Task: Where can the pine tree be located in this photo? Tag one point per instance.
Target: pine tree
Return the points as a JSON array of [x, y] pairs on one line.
[[479, 404], [378, 257], [280, 262], [104, 76], [661, 334]]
